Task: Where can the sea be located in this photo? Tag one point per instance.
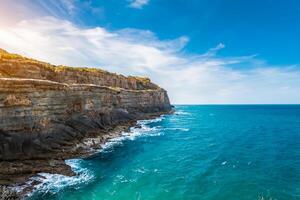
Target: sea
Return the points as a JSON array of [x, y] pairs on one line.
[[201, 152]]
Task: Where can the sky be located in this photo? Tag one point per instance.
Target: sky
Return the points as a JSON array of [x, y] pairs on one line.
[[200, 51]]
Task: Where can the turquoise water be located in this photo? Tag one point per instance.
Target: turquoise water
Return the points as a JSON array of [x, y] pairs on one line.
[[200, 152]]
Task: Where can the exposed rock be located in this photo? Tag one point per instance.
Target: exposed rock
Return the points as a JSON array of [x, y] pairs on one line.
[[51, 113], [7, 194], [16, 100]]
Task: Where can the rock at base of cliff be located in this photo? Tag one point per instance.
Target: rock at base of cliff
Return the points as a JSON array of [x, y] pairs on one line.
[[7, 194]]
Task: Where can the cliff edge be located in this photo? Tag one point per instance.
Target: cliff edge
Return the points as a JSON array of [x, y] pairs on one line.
[[50, 113]]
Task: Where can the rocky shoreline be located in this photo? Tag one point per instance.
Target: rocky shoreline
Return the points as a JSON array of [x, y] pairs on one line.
[[89, 147], [52, 113]]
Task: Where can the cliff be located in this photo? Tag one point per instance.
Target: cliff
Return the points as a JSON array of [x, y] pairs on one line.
[[47, 112]]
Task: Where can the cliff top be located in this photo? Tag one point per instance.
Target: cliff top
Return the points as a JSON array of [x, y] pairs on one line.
[[17, 66], [4, 55]]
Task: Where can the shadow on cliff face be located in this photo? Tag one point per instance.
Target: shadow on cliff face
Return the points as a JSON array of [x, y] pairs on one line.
[[58, 138], [24, 154]]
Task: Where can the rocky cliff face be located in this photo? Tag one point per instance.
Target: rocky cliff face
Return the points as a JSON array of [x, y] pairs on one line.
[[46, 111]]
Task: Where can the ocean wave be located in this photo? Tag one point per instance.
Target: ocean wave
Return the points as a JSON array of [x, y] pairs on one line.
[[179, 112], [148, 121], [54, 183], [142, 129], [177, 129]]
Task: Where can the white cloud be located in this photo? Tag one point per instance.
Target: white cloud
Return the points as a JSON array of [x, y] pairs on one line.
[[213, 51], [69, 5], [138, 3], [204, 78]]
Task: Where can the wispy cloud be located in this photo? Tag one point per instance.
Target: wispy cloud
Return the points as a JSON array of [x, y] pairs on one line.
[[69, 5], [205, 78], [213, 51], [138, 3]]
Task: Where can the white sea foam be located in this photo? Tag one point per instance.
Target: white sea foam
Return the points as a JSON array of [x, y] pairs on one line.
[[179, 112], [148, 121], [178, 129], [224, 163], [54, 183], [142, 129]]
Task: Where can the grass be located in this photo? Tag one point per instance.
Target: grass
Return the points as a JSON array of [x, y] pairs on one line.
[[4, 55]]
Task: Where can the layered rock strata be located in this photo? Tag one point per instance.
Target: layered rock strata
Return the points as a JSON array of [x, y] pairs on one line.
[[47, 112]]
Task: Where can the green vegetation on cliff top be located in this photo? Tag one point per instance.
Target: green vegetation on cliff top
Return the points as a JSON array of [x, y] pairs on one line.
[[4, 55]]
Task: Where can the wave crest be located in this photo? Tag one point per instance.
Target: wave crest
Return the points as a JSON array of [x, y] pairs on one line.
[[53, 183]]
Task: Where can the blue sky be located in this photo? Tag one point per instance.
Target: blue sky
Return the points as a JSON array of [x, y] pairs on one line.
[[201, 51], [268, 28]]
